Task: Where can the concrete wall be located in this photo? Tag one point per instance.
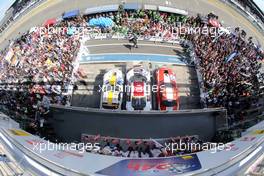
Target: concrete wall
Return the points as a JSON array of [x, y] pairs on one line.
[[69, 123]]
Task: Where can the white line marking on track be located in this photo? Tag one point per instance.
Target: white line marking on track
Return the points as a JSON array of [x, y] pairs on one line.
[[116, 61], [142, 44], [167, 55]]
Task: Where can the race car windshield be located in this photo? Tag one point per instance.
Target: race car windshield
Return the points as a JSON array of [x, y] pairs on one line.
[[167, 91], [107, 106], [138, 103], [168, 85], [138, 78], [169, 103]]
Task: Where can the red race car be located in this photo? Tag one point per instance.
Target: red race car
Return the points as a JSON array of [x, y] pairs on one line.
[[167, 92]]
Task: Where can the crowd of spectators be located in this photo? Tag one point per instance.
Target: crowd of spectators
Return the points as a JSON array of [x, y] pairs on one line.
[[143, 148], [229, 62], [40, 67], [144, 23], [230, 65], [39, 70]]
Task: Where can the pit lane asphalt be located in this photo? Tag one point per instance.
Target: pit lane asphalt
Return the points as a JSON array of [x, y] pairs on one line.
[[87, 94]]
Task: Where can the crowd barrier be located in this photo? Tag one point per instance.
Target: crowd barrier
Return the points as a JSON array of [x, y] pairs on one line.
[[139, 124], [89, 137]]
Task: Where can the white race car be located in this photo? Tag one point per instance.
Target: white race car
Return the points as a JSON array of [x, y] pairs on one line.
[[138, 89], [112, 90]]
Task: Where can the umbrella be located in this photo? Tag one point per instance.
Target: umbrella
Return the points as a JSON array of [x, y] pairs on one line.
[[101, 22], [214, 23], [71, 14], [50, 22], [71, 30]]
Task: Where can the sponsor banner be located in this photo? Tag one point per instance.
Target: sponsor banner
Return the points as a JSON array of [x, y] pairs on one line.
[[131, 57], [19, 132], [153, 167]]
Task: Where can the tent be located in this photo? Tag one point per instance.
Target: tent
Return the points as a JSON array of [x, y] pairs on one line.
[[50, 22], [172, 10], [71, 14], [101, 22], [105, 8], [132, 6], [150, 7]]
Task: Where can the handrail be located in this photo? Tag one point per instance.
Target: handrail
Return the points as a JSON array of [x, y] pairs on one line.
[[29, 153], [75, 108]]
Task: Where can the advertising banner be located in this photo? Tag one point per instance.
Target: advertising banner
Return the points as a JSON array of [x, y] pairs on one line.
[[153, 167]]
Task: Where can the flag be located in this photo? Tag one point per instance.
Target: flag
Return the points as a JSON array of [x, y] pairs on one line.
[[231, 57], [97, 137], [157, 143], [9, 55]]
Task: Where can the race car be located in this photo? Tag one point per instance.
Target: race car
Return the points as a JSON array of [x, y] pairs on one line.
[[112, 90], [167, 92], [138, 89]]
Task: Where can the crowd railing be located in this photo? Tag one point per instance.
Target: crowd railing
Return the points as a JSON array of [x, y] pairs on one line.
[[89, 137]]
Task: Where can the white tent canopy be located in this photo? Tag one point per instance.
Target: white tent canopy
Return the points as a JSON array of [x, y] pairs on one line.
[[105, 8], [150, 7], [172, 10]]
